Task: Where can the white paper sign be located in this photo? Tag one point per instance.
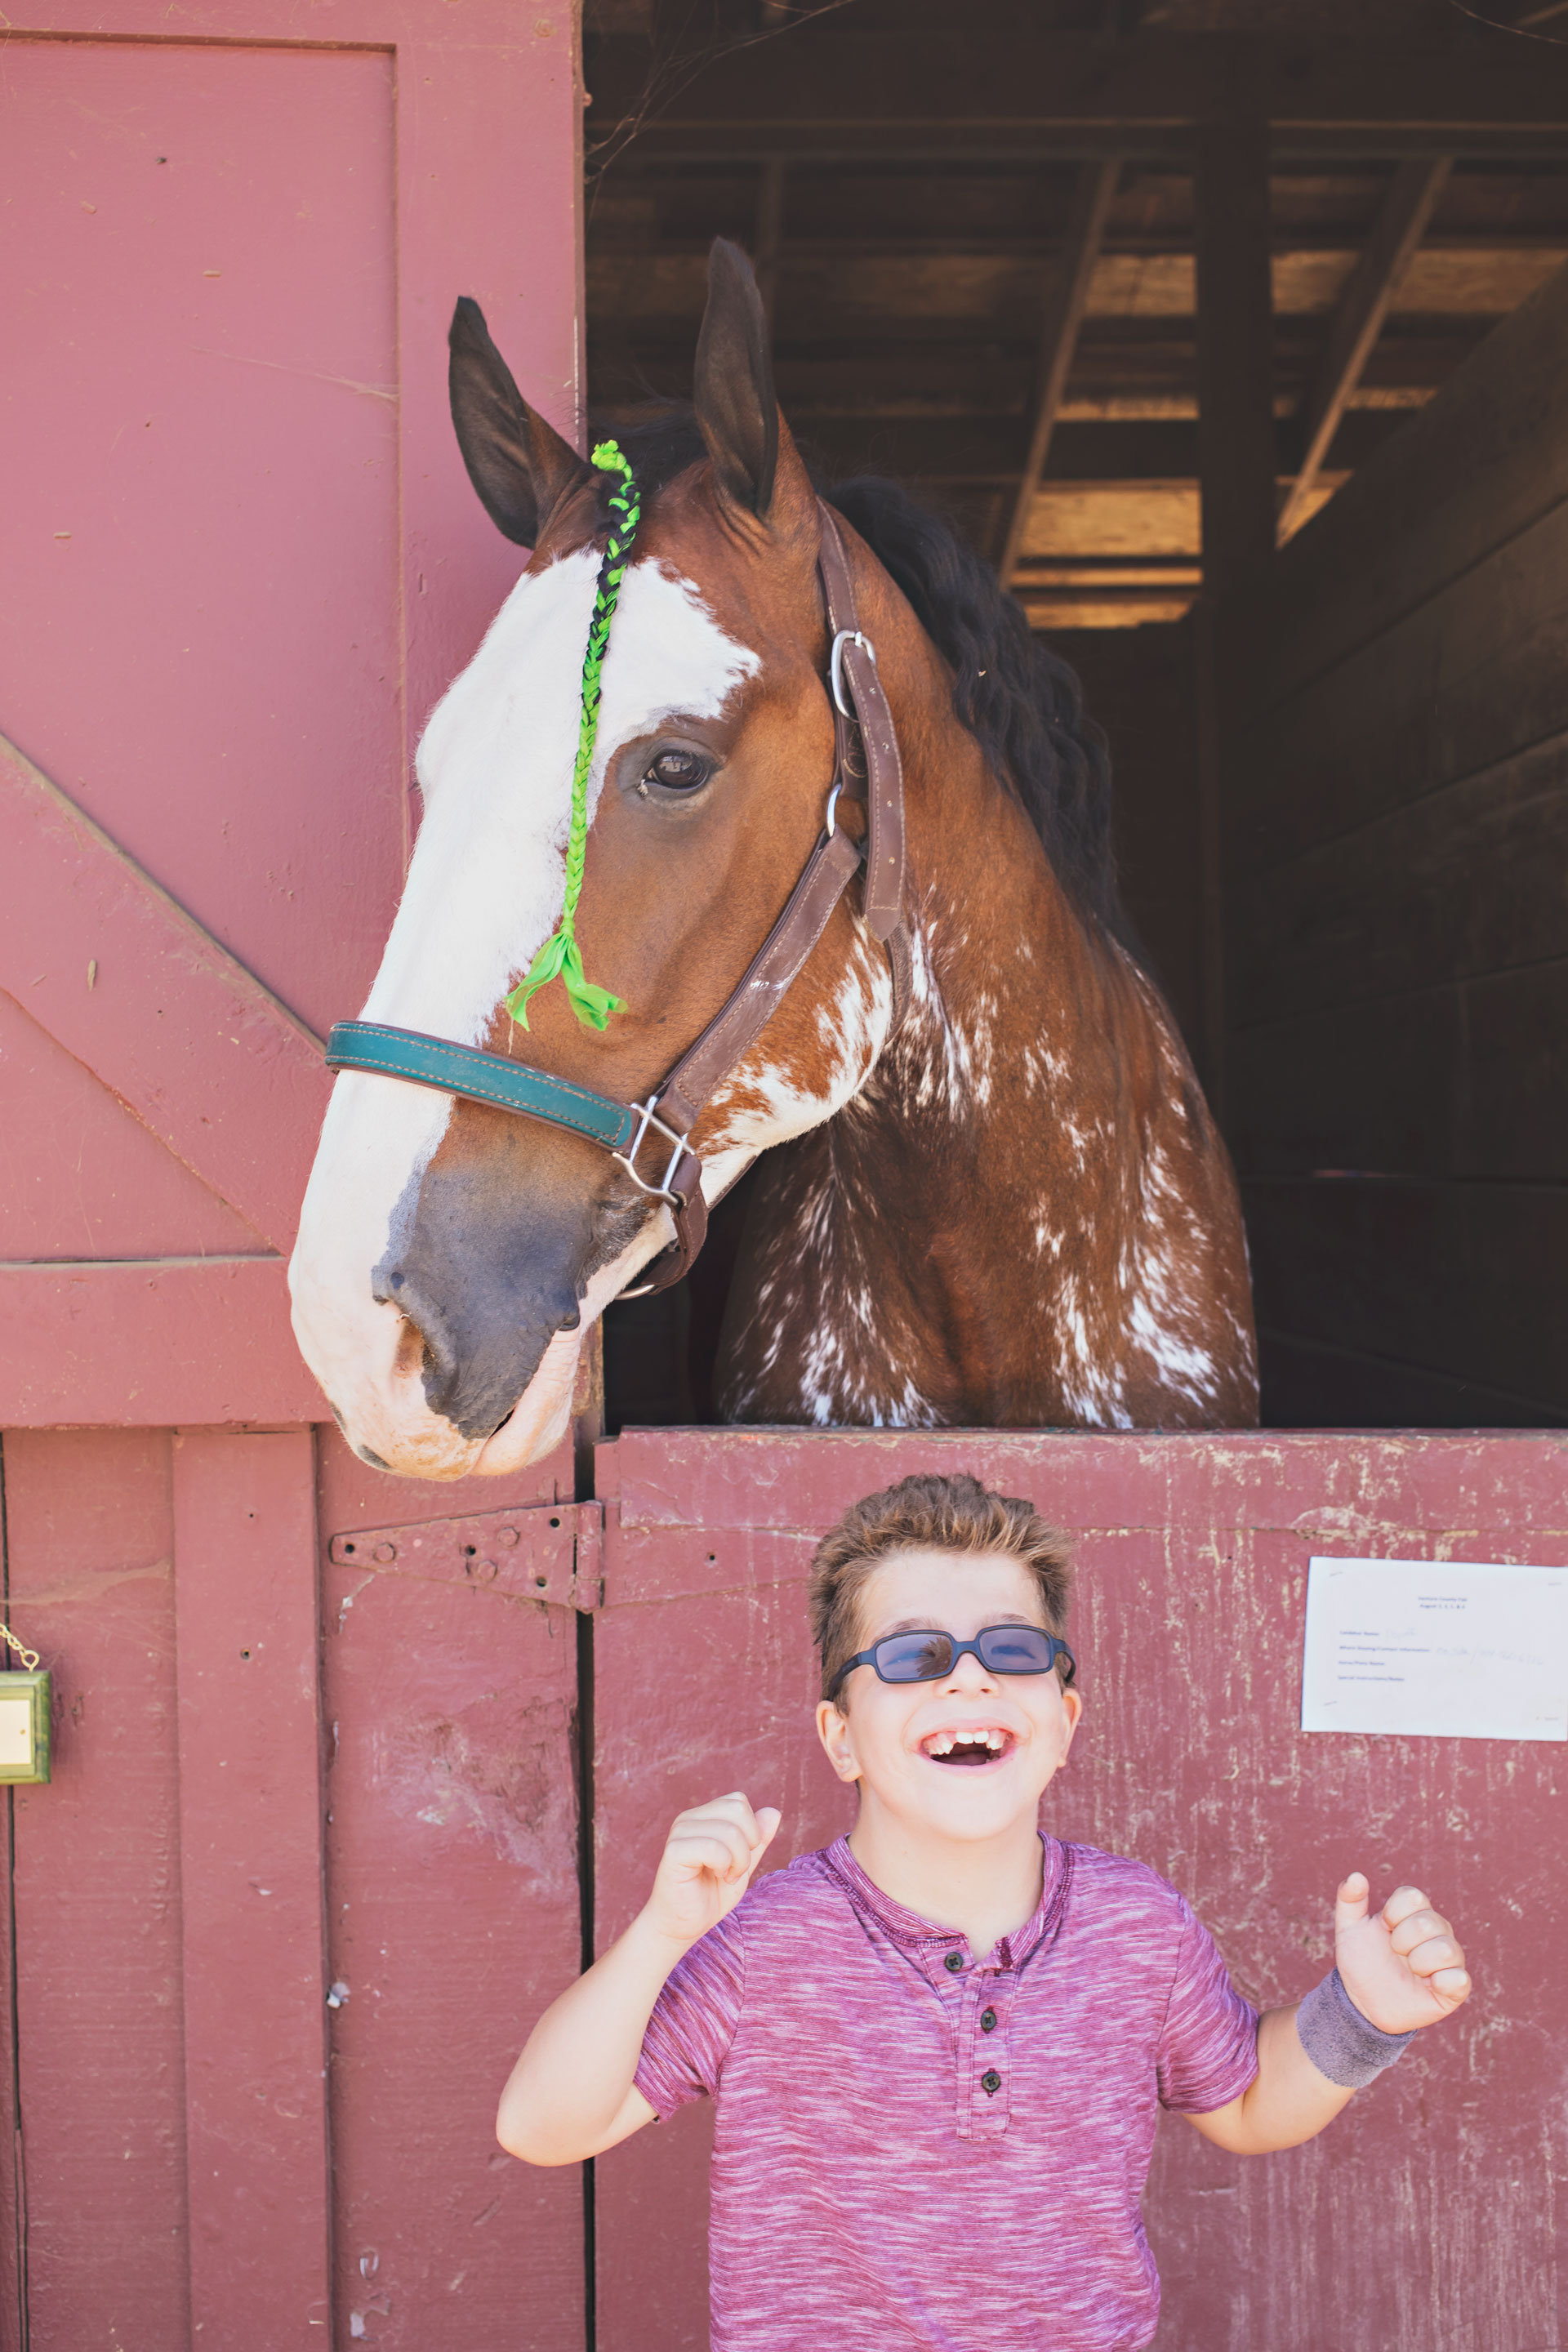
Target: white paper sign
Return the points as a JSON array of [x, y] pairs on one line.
[[1437, 1650]]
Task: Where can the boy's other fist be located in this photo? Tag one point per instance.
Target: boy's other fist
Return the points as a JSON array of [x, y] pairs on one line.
[[1402, 1967], [707, 1865]]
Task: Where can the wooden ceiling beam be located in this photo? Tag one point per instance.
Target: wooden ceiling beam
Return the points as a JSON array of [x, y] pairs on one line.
[[1364, 306], [864, 97], [1063, 317], [863, 287]]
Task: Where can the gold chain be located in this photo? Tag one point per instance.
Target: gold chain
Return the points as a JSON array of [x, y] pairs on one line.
[[29, 1657]]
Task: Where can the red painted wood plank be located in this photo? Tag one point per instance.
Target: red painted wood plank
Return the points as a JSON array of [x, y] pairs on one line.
[[246, 1628], [79, 1178], [219, 1069], [90, 1543], [452, 1851], [488, 201], [207, 657], [1417, 2220], [148, 1344], [1363, 1486]]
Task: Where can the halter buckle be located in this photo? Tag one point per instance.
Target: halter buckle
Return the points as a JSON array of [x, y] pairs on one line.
[[647, 1117], [836, 667]]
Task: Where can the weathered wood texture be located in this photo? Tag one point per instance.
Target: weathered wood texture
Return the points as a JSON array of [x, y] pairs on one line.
[[915, 92], [173, 1964], [229, 263], [253, 1945], [100, 2033], [1397, 918], [1419, 2218], [452, 1847], [240, 562]]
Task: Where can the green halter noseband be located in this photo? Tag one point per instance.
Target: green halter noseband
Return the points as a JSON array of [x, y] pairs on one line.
[[560, 956]]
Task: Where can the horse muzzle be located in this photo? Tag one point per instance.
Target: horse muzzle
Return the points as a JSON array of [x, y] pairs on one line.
[[484, 1297], [448, 1346]]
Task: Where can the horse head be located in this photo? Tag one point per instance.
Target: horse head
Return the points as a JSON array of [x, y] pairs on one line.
[[451, 1257]]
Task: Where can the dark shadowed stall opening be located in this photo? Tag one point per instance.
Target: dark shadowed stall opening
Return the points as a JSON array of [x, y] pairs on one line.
[[1136, 332]]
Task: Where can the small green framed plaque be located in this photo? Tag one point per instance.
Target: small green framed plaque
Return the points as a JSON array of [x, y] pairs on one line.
[[24, 1717]]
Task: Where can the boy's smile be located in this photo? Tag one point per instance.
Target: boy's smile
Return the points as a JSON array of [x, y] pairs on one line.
[[968, 1743]]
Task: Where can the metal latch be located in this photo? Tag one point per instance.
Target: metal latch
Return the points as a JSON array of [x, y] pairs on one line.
[[544, 1551]]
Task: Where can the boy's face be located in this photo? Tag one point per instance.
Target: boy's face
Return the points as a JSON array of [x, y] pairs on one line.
[[966, 1756]]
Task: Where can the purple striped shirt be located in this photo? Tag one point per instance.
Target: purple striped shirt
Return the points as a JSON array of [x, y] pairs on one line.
[[916, 2147]]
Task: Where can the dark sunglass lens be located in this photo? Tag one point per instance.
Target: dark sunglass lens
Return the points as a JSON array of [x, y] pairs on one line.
[[1015, 1650], [913, 1657]]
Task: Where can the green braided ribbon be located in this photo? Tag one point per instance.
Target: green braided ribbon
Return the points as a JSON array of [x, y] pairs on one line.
[[561, 957]]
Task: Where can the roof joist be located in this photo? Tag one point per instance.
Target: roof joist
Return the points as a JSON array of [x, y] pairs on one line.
[[868, 97]]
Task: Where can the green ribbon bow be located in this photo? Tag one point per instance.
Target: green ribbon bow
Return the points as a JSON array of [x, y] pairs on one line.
[[561, 957]]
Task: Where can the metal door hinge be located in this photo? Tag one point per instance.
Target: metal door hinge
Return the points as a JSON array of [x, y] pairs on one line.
[[545, 1551]]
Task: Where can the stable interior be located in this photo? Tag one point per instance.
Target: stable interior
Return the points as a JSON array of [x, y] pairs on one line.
[[1135, 293]]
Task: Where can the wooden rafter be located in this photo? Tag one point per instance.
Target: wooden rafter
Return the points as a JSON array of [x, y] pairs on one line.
[[1063, 317], [837, 90], [1365, 305]]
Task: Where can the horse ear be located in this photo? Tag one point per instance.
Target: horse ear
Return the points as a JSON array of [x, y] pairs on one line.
[[733, 383], [518, 463]]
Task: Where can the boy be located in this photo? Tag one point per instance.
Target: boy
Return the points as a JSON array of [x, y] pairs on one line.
[[938, 2047]]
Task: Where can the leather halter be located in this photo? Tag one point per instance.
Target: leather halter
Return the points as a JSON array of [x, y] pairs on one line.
[[674, 1108]]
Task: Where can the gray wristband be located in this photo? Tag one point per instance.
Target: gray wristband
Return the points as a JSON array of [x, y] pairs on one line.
[[1341, 2043]]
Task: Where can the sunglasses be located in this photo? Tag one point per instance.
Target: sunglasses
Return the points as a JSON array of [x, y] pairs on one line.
[[927, 1656]]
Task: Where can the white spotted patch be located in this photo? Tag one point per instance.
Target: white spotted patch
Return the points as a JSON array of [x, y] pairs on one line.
[[769, 1098]]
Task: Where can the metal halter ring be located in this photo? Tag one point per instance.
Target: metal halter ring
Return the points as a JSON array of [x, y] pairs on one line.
[[836, 665], [647, 1117]]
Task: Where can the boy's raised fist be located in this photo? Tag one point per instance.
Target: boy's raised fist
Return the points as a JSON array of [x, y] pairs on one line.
[[707, 1864], [1403, 1966]]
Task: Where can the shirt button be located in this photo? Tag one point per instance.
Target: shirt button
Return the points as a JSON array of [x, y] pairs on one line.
[[953, 1960], [990, 2081], [987, 2021]]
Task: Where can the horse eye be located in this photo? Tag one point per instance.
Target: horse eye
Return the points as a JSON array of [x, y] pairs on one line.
[[679, 771]]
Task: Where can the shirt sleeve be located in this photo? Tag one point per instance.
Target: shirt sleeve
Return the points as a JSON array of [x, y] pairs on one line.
[[694, 2021], [1208, 2048]]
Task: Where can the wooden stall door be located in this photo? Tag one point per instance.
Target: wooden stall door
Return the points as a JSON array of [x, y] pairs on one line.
[[203, 2025], [240, 560], [1424, 2217]]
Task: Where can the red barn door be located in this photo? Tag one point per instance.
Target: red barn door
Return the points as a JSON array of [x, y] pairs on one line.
[[238, 561], [1422, 2219]]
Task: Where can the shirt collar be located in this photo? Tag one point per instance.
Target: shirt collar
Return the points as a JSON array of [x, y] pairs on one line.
[[908, 1928]]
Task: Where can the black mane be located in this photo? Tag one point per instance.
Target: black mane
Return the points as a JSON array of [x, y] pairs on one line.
[[1020, 701]]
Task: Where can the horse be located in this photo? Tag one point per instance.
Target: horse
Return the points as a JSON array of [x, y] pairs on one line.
[[991, 1190]]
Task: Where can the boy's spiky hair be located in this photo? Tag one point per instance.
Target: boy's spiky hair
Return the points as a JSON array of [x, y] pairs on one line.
[[927, 1514]]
